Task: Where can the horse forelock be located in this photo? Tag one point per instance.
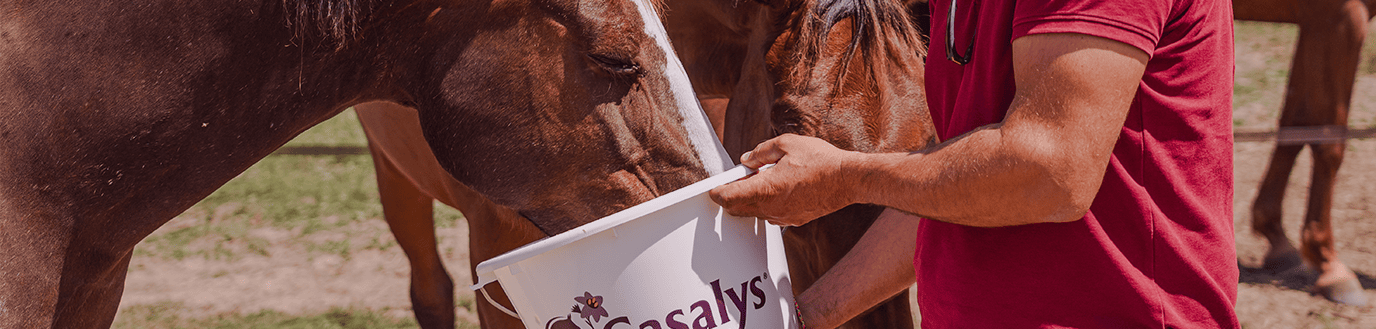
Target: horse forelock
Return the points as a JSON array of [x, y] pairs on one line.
[[880, 29], [337, 22]]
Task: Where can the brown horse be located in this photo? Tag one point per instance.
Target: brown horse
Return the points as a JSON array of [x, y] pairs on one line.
[[847, 71], [1317, 98], [118, 116], [851, 74]]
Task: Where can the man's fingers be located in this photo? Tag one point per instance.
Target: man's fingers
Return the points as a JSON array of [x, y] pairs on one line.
[[742, 197], [733, 205], [763, 154], [723, 195], [737, 193], [742, 213]]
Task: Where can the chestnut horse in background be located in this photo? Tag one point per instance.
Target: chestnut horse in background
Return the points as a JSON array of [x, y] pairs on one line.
[[845, 71], [117, 116], [1316, 103]]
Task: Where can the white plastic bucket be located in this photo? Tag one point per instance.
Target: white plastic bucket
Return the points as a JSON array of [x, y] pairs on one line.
[[678, 261]]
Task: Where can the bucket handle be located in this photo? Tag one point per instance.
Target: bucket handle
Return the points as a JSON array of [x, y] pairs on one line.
[[499, 306]]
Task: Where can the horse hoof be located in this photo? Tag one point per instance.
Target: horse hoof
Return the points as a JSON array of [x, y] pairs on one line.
[[1346, 292]]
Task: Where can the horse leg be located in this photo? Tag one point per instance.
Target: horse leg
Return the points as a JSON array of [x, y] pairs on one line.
[[62, 273], [94, 262], [494, 230], [1336, 281], [1329, 51], [92, 283], [31, 259], [410, 216], [1266, 210]]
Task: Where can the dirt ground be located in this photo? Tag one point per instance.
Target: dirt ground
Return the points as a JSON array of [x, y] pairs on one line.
[[1271, 301], [1266, 300], [294, 280]]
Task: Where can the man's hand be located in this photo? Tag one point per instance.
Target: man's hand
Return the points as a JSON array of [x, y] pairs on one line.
[[805, 182]]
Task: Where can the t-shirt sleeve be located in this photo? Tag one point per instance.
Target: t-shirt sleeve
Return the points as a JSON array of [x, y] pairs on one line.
[[1135, 22]]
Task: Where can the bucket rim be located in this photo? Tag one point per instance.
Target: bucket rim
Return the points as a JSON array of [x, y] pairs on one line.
[[487, 269]]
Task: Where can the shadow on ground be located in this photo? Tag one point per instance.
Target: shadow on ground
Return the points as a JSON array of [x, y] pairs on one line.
[[1299, 278]]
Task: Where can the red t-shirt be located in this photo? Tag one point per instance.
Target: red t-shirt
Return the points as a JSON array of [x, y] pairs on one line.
[[1156, 249]]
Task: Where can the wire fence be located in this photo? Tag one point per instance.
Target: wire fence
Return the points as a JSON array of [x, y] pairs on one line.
[[321, 150], [1305, 135]]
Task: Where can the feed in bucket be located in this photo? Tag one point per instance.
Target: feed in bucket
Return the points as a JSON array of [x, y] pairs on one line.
[[678, 261]]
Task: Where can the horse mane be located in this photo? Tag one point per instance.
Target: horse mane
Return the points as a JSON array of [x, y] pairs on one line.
[[881, 27], [337, 22]]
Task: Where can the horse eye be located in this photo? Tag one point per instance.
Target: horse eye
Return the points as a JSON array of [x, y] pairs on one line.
[[616, 65]]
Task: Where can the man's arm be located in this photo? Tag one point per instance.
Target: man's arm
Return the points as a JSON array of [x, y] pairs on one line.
[[1043, 163], [877, 268]]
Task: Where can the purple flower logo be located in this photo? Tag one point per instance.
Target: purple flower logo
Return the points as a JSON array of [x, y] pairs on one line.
[[588, 306], [592, 307]]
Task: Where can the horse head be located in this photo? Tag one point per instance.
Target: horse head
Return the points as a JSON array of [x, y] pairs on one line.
[[851, 73], [563, 110], [848, 71]]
